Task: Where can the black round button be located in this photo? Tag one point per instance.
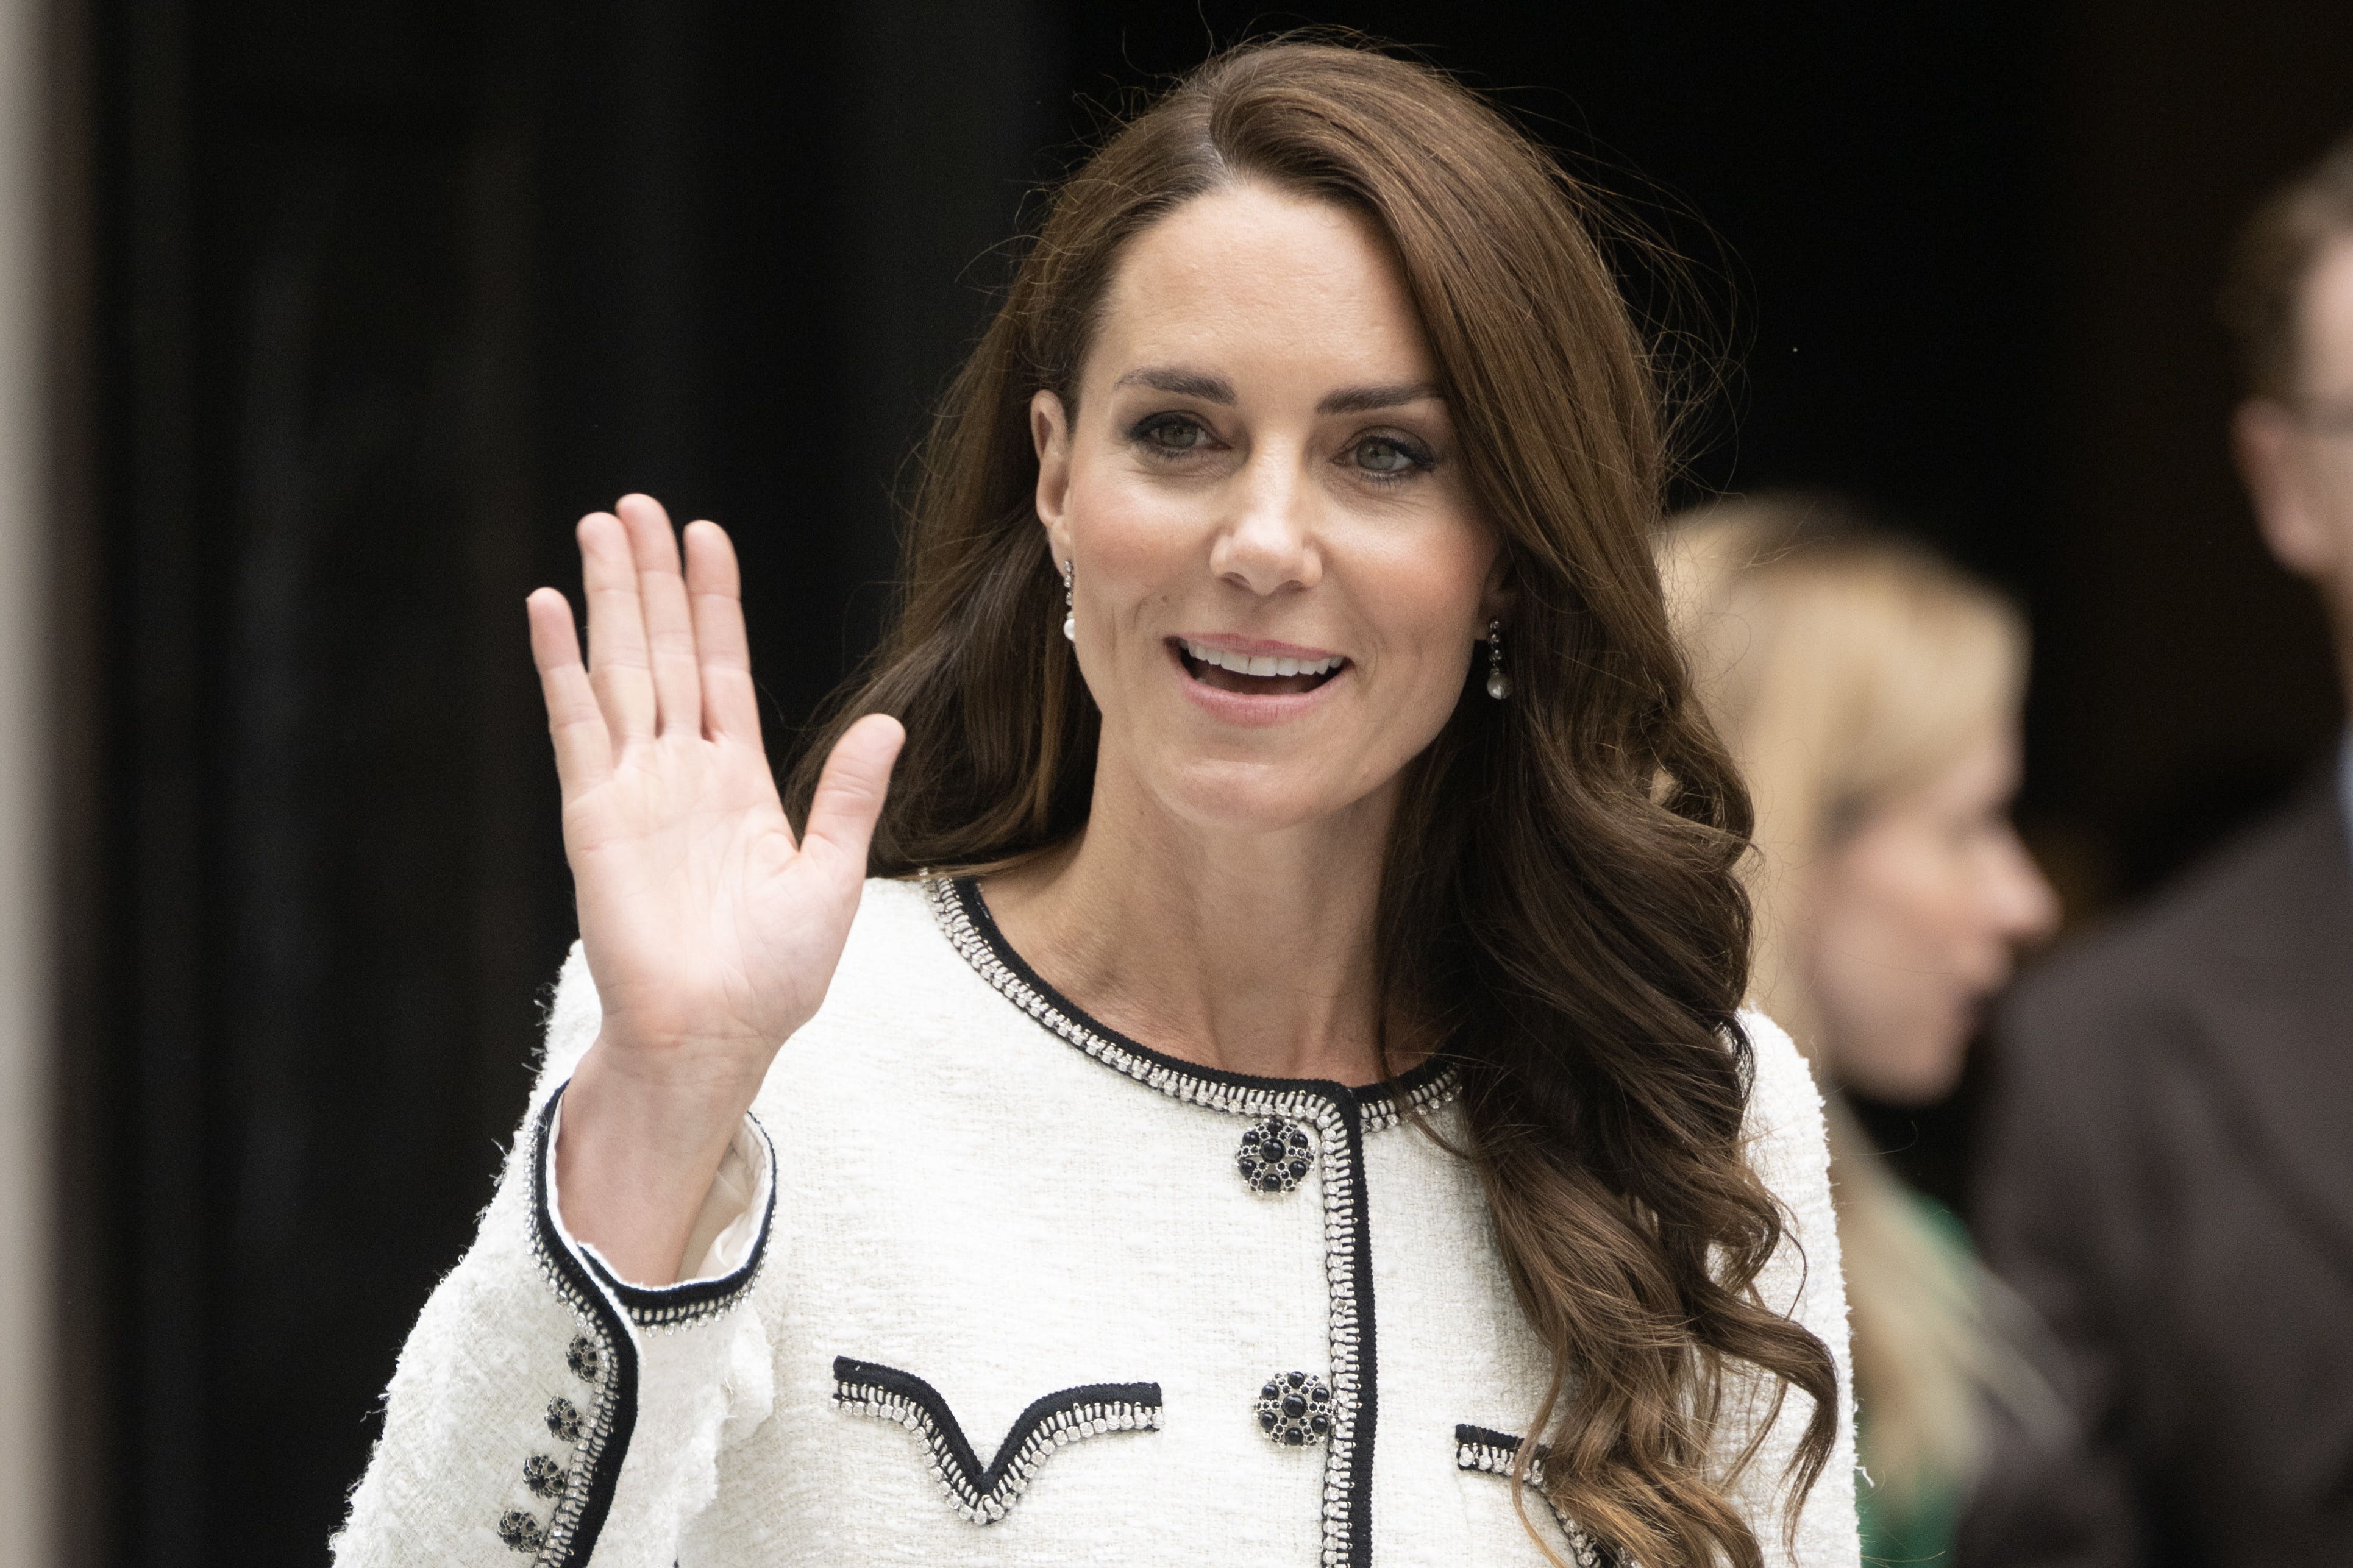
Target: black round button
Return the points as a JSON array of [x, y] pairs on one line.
[[1275, 1154], [1294, 1409]]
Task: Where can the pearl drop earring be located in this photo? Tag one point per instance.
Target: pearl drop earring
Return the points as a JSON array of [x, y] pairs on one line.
[[1070, 609], [1499, 685]]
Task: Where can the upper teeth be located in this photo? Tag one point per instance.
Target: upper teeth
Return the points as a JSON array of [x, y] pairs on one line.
[[1259, 664]]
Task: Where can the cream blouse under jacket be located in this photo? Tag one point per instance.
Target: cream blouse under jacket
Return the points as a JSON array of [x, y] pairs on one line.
[[985, 1283]]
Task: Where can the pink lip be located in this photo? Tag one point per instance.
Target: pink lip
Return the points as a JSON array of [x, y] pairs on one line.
[[1248, 711], [1255, 648]]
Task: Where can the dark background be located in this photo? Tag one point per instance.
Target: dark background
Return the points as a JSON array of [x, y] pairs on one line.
[[368, 300]]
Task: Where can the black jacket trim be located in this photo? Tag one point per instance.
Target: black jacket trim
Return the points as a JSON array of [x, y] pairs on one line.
[[1484, 1448], [1360, 1350], [985, 1495], [697, 1301], [603, 1439]]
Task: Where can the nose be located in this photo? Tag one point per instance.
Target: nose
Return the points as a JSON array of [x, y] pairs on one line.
[[1267, 545], [2024, 905]]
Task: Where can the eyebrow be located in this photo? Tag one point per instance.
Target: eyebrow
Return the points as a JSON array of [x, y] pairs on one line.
[[1182, 383], [1366, 399], [1219, 390]]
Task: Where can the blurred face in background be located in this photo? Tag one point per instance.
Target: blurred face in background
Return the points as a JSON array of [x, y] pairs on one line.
[[2297, 453], [1919, 908]]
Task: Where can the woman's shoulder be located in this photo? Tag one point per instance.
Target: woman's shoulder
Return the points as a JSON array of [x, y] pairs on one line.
[[1786, 1136], [1773, 1054], [895, 907], [899, 962], [896, 937]]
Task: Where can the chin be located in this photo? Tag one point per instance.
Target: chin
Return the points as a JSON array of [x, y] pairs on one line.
[[1912, 1067], [1928, 1081], [1934, 1087], [1251, 797]]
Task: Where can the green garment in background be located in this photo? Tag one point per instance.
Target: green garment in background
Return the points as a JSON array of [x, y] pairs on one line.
[[1923, 1533]]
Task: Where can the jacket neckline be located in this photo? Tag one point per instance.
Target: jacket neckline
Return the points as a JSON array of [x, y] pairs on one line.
[[964, 915]]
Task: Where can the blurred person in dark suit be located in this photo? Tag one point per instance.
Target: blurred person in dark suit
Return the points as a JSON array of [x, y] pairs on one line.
[[2169, 1177], [1872, 693]]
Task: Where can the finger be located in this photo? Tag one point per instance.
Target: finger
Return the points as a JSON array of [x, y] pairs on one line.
[[714, 586], [617, 667], [669, 625], [849, 793], [584, 750]]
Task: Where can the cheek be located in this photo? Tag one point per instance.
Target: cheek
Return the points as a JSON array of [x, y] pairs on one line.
[[1890, 1016], [1915, 895], [1422, 596], [1889, 945], [1130, 537]]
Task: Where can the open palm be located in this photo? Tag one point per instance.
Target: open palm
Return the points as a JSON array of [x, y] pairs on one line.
[[712, 932]]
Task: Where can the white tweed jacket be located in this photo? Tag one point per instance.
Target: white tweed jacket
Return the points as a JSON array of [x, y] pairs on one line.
[[985, 1283]]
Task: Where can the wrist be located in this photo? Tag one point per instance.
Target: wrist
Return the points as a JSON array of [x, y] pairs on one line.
[[635, 1157], [677, 1094], [660, 1055]]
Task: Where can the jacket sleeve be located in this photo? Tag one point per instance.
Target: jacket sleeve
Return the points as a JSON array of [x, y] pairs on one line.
[[542, 1410], [1788, 1148]]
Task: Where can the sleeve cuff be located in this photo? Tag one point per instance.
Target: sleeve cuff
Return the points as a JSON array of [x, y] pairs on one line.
[[724, 1250], [724, 1233]]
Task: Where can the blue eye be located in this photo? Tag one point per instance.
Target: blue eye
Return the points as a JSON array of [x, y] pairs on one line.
[[1388, 456], [1169, 432]]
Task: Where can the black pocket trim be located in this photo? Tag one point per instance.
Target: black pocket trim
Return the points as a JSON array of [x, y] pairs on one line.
[[985, 1495], [1484, 1448]]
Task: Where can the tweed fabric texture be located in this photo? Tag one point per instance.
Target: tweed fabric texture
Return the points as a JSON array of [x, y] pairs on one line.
[[985, 1284]]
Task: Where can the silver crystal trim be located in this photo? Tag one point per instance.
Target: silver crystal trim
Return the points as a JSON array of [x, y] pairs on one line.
[[962, 1492], [1498, 1460], [596, 1423]]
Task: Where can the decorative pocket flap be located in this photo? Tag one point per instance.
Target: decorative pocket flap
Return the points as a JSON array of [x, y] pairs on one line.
[[985, 1495], [1480, 1449]]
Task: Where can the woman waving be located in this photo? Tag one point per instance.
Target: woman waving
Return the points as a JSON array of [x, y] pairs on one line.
[[1284, 1095]]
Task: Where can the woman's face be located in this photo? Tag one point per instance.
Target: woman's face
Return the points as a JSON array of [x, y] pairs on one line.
[[1918, 913], [1280, 573]]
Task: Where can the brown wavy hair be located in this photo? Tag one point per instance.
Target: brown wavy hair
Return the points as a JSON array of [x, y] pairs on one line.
[[1558, 901]]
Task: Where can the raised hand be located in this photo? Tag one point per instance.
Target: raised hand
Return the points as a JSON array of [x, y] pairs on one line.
[[710, 932]]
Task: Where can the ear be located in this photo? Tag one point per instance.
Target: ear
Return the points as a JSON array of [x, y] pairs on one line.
[[1050, 432], [1499, 596]]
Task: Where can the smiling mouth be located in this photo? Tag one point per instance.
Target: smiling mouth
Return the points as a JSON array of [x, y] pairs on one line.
[[1255, 675]]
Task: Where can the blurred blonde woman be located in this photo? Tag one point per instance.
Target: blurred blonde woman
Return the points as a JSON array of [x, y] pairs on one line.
[[1871, 693]]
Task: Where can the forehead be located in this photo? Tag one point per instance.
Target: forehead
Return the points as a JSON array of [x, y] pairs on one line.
[[1266, 284]]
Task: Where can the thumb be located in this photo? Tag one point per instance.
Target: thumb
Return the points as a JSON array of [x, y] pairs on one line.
[[849, 792]]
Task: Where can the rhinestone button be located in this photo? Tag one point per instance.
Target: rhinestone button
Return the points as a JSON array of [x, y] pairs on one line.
[[544, 1476], [1294, 1409], [1275, 1154], [522, 1531], [564, 1420]]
